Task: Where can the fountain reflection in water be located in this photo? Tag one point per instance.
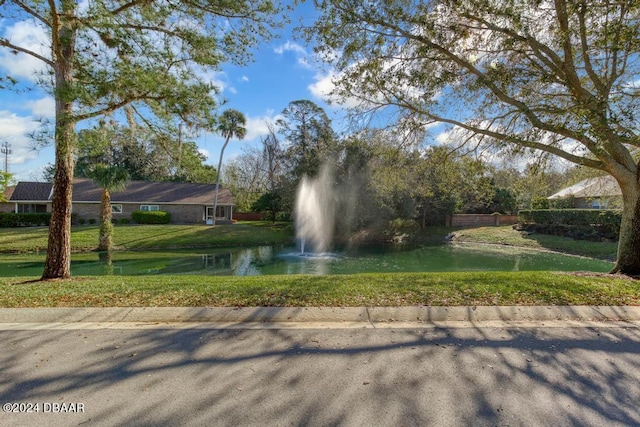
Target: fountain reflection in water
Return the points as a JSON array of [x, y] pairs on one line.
[[314, 213]]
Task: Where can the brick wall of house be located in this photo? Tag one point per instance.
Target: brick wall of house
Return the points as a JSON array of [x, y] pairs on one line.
[[187, 214], [7, 207], [87, 211]]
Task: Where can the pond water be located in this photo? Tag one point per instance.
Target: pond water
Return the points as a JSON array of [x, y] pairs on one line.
[[265, 260]]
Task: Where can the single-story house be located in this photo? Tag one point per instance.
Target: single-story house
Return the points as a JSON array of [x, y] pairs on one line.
[[186, 202], [602, 192]]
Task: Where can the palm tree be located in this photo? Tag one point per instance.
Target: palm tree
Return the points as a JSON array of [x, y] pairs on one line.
[[231, 124], [110, 178]]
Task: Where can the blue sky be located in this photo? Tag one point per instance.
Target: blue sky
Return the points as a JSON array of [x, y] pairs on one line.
[[283, 70]]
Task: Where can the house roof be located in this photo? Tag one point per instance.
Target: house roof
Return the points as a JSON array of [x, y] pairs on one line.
[[84, 190], [32, 191], [602, 186]]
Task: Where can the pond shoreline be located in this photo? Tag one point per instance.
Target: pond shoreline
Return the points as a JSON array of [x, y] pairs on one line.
[[528, 248], [281, 259]]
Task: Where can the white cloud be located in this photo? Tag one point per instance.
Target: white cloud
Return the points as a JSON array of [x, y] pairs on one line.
[[323, 86], [443, 137], [43, 107], [257, 126], [323, 89], [217, 78], [15, 129], [299, 51], [204, 152], [31, 36], [244, 79], [290, 47]]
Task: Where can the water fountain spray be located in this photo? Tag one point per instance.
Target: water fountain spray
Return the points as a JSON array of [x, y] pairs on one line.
[[315, 212]]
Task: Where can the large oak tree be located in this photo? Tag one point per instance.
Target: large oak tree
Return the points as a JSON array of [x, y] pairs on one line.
[[102, 55], [558, 76]]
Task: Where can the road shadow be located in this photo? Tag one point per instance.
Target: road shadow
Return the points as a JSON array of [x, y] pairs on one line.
[[430, 376]]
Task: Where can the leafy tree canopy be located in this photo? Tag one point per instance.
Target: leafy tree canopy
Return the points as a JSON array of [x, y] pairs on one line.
[[154, 57], [145, 155], [557, 76], [307, 130], [5, 181]]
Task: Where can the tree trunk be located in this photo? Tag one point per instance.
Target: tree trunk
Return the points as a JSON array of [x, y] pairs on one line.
[[628, 261], [106, 227], [58, 261], [215, 199]]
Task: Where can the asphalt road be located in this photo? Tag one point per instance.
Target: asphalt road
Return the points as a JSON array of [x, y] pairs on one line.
[[586, 375]]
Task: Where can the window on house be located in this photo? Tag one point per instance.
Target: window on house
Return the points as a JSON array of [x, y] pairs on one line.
[[149, 208], [599, 204], [116, 209], [31, 208]]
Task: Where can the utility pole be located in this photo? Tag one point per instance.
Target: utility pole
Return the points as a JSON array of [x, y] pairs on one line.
[[6, 150], [179, 146]]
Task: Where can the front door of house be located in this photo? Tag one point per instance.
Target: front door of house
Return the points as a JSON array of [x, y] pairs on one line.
[[221, 213]]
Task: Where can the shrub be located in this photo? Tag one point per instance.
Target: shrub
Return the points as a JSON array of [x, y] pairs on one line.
[[282, 216], [151, 217], [400, 225], [92, 221], [539, 203], [81, 221], [24, 219], [125, 221], [607, 221]]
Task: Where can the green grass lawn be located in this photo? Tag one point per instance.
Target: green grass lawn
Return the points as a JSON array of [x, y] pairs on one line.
[[398, 289], [151, 237], [506, 235], [384, 289]]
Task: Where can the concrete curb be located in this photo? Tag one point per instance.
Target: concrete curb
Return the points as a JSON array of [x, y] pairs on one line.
[[320, 314]]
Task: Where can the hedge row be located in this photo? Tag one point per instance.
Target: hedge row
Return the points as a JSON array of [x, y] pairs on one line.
[[605, 220], [10, 220], [151, 217]]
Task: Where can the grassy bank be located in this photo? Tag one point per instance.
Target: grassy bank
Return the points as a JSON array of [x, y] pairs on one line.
[[152, 237], [384, 289], [400, 289], [508, 236]]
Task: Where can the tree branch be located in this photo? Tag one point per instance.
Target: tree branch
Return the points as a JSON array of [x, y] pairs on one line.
[[603, 90], [55, 32], [615, 151], [511, 138], [129, 5], [110, 108], [524, 142], [6, 43], [31, 12]]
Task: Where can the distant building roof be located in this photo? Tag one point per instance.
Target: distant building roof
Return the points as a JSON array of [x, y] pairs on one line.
[[602, 186], [32, 191], [84, 190]]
